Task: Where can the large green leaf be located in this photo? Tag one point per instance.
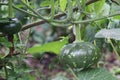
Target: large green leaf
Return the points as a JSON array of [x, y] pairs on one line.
[[96, 74], [109, 33], [49, 47]]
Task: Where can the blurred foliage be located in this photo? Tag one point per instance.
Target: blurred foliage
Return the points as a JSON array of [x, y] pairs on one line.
[[46, 36]]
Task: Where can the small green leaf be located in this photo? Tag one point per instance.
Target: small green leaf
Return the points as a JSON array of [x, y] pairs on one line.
[[96, 74], [63, 4], [49, 47], [109, 33]]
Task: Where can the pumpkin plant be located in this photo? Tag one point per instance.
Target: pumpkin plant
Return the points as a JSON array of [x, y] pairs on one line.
[[9, 26], [79, 54]]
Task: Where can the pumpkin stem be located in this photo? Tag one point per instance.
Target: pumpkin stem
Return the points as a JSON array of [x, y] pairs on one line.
[[77, 33]]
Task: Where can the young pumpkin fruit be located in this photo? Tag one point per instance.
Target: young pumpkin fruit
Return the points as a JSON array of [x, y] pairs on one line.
[[10, 26], [79, 55]]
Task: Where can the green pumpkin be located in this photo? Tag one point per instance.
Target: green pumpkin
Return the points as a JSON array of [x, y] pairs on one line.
[[79, 55], [10, 26]]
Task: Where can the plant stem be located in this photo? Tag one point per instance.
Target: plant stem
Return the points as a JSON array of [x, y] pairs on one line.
[[26, 12], [68, 14], [63, 14], [10, 9], [52, 10], [39, 16], [6, 72], [114, 49], [77, 33], [96, 19], [73, 73]]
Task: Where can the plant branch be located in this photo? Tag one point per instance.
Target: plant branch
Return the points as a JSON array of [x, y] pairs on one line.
[[40, 16], [56, 16], [21, 10], [41, 21], [32, 24], [96, 19], [59, 15], [68, 14], [84, 21]]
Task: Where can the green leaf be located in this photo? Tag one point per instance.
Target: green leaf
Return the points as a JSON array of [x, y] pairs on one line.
[[89, 8], [90, 33], [105, 10], [98, 6], [115, 8], [117, 17], [109, 33], [63, 4], [49, 47], [5, 42], [96, 74], [45, 3]]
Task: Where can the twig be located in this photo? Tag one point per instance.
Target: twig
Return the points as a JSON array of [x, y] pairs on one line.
[[33, 24]]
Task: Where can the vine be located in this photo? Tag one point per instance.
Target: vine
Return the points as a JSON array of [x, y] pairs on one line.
[[57, 16]]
